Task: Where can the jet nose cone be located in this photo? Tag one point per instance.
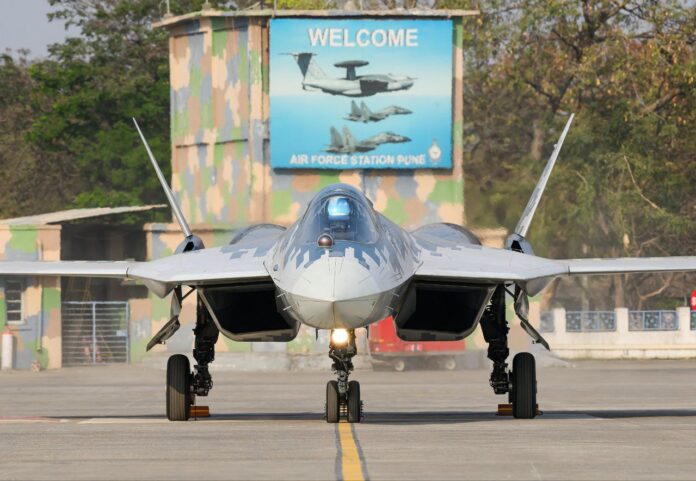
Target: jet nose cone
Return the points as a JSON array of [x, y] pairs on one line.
[[335, 292]]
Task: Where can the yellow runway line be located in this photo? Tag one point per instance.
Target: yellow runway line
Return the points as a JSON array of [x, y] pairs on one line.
[[352, 464]]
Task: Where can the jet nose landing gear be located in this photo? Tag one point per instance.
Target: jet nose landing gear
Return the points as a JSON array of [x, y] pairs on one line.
[[343, 396]]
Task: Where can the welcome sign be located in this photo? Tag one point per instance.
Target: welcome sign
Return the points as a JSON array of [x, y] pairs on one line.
[[360, 94]]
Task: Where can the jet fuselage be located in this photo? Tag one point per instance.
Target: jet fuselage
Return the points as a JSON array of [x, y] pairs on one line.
[[364, 86], [357, 280]]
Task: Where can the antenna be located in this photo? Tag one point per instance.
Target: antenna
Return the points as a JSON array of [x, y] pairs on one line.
[[167, 190]]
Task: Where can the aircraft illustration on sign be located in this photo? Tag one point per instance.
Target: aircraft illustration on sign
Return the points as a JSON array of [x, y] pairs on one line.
[[343, 266], [346, 143], [364, 114], [352, 85]]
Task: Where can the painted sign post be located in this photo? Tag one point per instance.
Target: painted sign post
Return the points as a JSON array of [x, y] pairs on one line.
[[361, 94]]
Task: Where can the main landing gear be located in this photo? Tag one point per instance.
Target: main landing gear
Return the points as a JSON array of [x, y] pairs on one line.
[[343, 396], [519, 384], [183, 385]]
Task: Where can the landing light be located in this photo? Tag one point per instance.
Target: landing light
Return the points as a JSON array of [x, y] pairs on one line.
[[340, 337]]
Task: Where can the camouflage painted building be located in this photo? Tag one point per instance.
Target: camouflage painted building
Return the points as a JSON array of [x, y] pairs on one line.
[[30, 307], [221, 171]]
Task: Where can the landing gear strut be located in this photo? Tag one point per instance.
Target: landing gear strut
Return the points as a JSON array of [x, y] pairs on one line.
[[206, 335], [183, 385], [343, 396], [520, 383]]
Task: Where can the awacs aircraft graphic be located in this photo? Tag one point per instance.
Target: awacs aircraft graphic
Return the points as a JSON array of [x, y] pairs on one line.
[[343, 266], [364, 114], [346, 143], [352, 85]]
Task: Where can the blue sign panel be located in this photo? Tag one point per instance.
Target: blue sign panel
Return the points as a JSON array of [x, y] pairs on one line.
[[360, 94]]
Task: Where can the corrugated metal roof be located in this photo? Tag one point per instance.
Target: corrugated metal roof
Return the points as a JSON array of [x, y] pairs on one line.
[[173, 20], [74, 214]]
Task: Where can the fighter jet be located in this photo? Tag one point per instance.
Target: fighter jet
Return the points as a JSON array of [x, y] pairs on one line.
[[346, 143], [343, 266], [352, 85], [364, 114]]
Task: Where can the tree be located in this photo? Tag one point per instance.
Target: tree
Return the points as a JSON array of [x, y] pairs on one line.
[[625, 181], [23, 166]]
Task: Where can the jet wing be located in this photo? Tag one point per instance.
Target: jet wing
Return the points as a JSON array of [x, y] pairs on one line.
[[117, 269], [627, 265], [481, 265], [220, 265]]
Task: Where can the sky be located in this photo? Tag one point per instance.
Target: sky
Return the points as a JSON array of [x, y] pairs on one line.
[[23, 24]]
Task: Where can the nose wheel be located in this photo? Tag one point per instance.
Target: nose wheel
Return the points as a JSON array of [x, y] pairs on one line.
[[348, 406], [343, 396]]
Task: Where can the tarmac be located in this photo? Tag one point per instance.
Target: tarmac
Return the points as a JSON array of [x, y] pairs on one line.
[[602, 420]]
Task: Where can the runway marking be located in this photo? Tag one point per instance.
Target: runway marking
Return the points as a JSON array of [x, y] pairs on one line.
[[124, 421], [350, 462]]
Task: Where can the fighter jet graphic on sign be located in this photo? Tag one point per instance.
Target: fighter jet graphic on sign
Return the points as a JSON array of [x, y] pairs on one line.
[[346, 143], [364, 114], [352, 85], [343, 266]]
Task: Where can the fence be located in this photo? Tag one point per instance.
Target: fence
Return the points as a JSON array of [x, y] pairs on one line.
[[619, 334], [590, 321], [95, 333], [605, 321], [653, 321]]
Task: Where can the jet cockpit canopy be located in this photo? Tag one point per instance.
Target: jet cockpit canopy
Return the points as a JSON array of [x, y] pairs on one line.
[[342, 214]]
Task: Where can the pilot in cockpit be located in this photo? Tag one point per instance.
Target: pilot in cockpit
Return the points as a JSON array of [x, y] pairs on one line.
[[339, 215]]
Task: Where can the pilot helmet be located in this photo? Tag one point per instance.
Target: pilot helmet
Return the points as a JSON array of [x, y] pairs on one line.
[[338, 209]]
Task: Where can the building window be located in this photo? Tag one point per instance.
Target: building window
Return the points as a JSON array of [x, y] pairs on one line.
[[14, 295]]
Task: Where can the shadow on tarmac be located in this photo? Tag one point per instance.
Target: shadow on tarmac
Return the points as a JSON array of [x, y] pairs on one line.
[[408, 418]]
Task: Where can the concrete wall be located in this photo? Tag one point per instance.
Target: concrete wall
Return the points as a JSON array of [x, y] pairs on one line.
[[37, 337]]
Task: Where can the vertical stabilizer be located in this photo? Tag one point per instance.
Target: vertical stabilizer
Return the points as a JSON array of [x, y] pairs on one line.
[[167, 190], [336, 139], [366, 113], [308, 66], [348, 138], [354, 110], [528, 214]]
